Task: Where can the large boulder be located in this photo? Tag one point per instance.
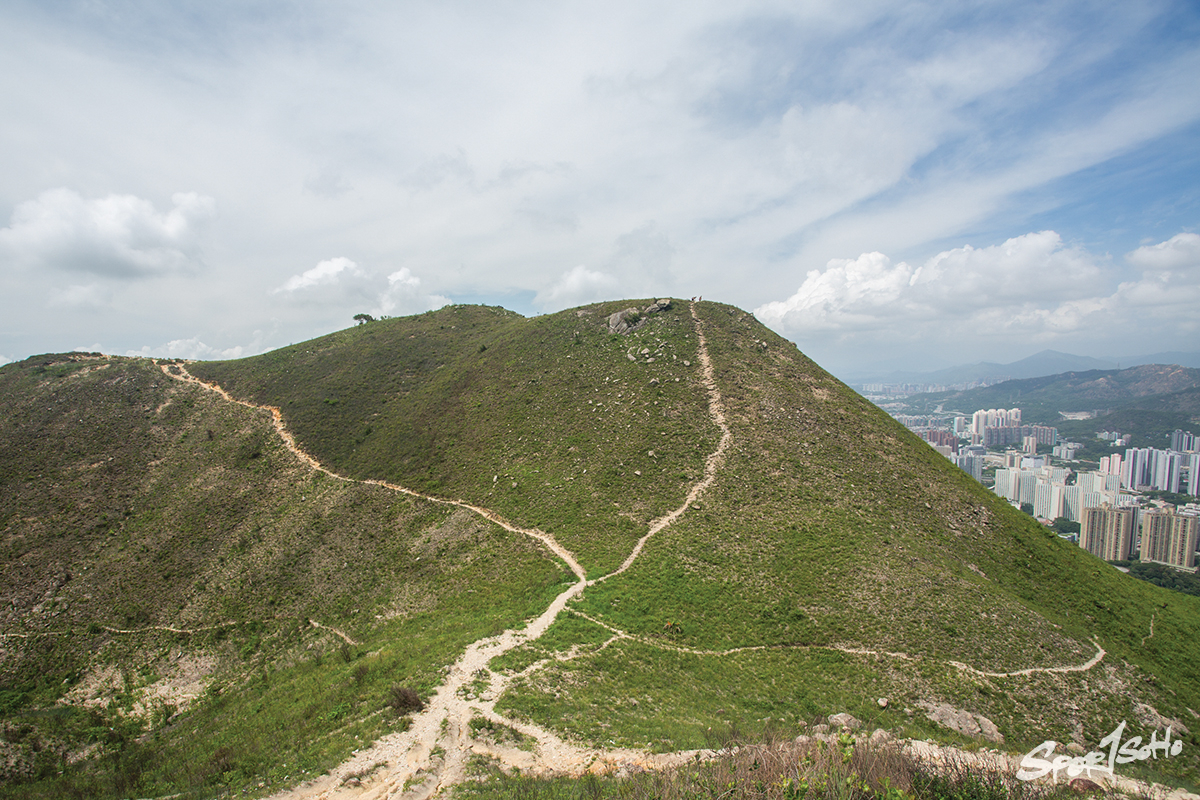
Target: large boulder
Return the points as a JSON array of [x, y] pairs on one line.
[[622, 322], [966, 723]]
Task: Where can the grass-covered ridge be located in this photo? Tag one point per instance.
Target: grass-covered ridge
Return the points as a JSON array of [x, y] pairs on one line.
[[835, 559], [551, 421], [132, 502]]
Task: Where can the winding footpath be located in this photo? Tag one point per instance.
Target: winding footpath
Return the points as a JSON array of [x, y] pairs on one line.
[[433, 753]]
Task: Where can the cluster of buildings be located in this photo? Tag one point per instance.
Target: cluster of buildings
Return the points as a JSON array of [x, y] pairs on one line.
[[1166, 536], [1106, 502]]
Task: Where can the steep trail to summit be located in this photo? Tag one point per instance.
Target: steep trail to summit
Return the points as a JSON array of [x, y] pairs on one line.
[[716, 410], [432, 754]]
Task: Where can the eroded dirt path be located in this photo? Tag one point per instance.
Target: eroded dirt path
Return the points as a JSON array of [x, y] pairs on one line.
[[716, 410], [859, 651], [433, 753]]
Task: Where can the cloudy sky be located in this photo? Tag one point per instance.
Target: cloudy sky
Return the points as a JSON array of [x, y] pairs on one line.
[[910, 184]]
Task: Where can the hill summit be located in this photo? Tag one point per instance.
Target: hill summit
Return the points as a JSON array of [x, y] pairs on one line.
[[568, 545]]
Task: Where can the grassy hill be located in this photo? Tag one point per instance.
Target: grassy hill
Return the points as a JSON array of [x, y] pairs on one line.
[[835, 559]]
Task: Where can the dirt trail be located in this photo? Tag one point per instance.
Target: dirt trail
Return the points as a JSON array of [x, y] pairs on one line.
[[433, 753], [620, 634], [716, 410]]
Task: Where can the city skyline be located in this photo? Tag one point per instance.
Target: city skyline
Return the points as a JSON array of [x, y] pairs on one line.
[[917, 186]]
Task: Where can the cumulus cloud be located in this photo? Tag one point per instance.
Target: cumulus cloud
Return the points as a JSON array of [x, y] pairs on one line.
[[1032, 288], [341, 284], [195, 349], [1181, 251], [404, 295], [575, 287], [870, 291], [117, 236], [325, 273]]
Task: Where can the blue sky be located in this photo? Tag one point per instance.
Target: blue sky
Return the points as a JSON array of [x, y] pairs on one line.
[[904, 184]]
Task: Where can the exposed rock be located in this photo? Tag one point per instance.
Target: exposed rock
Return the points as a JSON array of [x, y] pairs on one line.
[[844, 720], [1075, 748], [821, 728], [1150, 718], [880, 737], [966, 723], [656, 306], [1084, 786], [882, 702], [622, 322]]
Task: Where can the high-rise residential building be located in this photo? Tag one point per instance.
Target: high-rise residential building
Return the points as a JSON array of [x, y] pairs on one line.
[[1049, 500], [1193, 470], [1098, 482], [1170, 538], [1185, 442], [970, 464], [1065, 451], [1077, 500], [1111, 465], [1029, 445], [1044, 434], [1108, 532]]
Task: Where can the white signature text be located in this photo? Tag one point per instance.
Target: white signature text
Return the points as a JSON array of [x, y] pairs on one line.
[[1097, 761]]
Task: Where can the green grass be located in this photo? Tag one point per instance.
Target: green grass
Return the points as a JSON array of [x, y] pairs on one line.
[[549, 425], [175, 508], [829, 527]]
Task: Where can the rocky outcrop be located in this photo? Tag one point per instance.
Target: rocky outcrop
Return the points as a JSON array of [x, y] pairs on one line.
[[622, 322], [1150, 718], [966, 723], [630, 319]]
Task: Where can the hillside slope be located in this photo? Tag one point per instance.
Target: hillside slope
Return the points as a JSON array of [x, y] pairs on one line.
[[803, 553]]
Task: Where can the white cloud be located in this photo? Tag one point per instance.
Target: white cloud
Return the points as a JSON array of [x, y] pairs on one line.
[[195, 349], [4, 360], [575, 287], [870, 292], [343, 288], [80, 296], [487, 147], [119, 236], [1032, 290], [404, 296], [1181, 251], [324, 273]]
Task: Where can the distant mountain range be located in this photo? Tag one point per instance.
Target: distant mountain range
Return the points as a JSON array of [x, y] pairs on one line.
[[1047, 362], [1148, 401]]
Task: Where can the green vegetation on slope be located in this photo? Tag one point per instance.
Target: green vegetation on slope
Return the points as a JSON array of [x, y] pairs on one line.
[[829, 526], [842, 558], [170, 507], [551, 421]]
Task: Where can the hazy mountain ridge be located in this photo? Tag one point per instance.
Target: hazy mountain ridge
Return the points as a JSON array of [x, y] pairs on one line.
[[1040, 399], [829, 532], [1044, 363]]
